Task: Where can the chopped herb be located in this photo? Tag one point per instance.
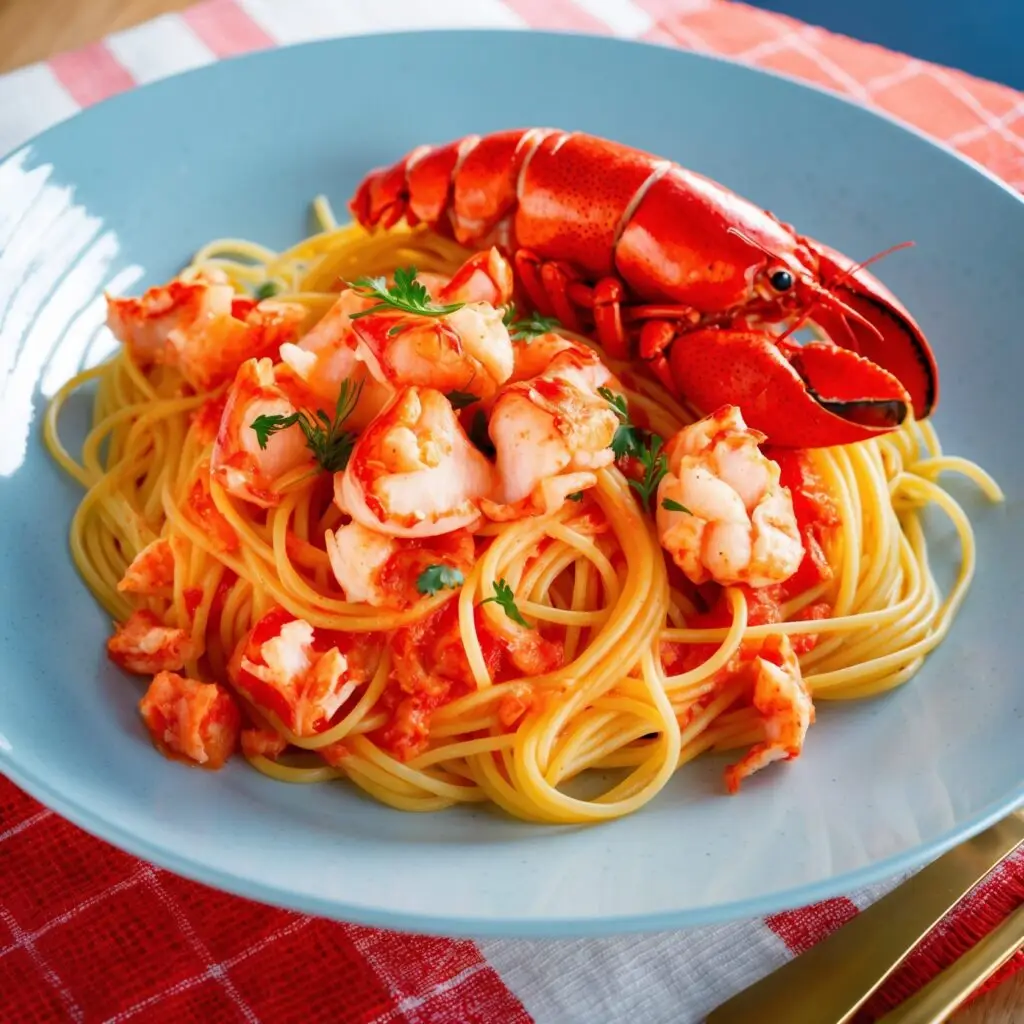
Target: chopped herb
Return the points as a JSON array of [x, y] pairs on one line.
[[628, 439], [330, 445], [526, 328], [655, 466], [439, 577], [503, 595], [407, 295], [267, 290], [575, 496], [460, 399], [671, 505], [479, 436]]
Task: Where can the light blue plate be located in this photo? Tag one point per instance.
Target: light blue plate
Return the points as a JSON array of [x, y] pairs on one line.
[[122, 195]]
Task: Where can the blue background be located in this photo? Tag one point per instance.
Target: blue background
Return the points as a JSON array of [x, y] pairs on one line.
[[983, 37]]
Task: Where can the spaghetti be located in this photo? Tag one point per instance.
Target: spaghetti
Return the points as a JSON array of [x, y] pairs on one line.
[[646, 676]]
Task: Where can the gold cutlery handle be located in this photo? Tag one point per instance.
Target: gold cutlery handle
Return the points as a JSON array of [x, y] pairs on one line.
[[828, 983], [939, 999]]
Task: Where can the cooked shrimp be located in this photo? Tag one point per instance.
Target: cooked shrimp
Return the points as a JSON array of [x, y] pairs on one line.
[[485, 277], [151, 570], [736, 523], [468, 350], [192, 325], [413, 472], [383, 571], [550, 436], [357, 557], [330, 353], [781, 697], [238, 463], [301, 674], [556, 356], [199, 721], [143, 645], [326, 356]]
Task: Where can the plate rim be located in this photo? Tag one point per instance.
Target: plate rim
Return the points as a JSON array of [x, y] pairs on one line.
[[532, 927], [100, 824]]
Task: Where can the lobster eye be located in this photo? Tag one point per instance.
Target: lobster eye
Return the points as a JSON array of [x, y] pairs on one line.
[[781, 280]]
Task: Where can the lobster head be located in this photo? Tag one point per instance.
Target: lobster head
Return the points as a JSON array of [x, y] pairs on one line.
[[872, 369]]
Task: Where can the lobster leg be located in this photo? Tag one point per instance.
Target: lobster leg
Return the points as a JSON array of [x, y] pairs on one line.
[[555, 289], [546, 284], [611, 332]]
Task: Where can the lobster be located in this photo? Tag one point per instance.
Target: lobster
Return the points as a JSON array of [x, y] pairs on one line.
[[656, 260]]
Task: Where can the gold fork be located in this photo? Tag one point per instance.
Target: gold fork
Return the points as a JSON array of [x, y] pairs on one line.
[[831, 981]]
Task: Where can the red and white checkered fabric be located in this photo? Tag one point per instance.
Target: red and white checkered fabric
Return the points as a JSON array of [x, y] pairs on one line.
[[89, 934]]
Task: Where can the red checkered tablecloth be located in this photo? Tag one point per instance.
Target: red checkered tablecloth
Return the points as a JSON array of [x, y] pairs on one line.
[[90, 934]]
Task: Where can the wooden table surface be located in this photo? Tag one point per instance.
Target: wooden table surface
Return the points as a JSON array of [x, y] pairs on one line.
[[31, 30]]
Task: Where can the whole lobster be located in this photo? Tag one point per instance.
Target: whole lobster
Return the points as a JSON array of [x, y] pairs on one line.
[[653, 258]]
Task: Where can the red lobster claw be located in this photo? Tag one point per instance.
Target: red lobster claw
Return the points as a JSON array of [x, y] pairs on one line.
[[810, 396], [897, 343]]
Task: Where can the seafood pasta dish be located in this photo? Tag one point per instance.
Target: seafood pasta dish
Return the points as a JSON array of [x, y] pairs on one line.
[[518, 489]]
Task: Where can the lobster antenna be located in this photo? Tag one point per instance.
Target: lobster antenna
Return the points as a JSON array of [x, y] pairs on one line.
[[844, 276], [818, 298], [848, 273], [753, 242]]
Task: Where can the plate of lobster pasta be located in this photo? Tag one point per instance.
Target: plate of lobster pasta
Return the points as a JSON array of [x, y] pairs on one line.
[[576, 505]]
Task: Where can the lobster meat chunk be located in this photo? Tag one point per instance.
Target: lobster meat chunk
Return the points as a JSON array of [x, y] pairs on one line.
[[661, 262]]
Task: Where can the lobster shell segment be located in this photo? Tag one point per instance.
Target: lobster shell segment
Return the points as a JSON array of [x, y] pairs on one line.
[[576, 195]]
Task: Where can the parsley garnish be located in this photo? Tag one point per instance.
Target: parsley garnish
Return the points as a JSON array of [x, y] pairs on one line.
[[267, 290], [670, 505], [478, 434], [460, 399], [627, 439], [407, 295], [503, 595], [330, 445], [575, 496], [655, 466], [439, 577], [630, 441], [528, 327]]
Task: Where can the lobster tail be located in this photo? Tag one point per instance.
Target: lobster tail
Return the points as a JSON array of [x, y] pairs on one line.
[[465, 188]]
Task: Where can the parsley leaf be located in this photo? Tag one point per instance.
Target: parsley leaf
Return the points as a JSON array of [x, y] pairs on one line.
[[478, 434], [630, 441], [670, 505], [407, 295], [627, 439], [575, 496], [267, 290], [460, 399], [503, 595], [330, 445], [439, 577], [526, 328], [655, 466]]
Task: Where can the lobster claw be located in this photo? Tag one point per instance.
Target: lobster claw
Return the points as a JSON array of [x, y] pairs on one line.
[[801, 396], [894, 341]]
